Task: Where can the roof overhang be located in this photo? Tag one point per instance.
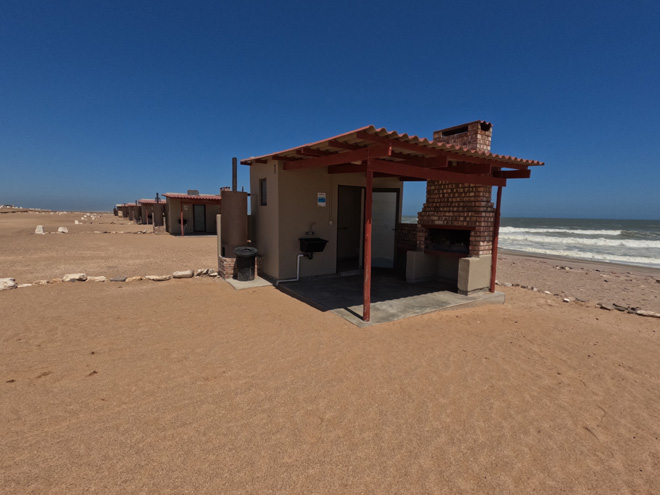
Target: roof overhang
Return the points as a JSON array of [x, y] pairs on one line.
[[407, 157], [201, 199]]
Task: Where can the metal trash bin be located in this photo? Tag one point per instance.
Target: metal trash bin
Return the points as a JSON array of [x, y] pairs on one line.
[[245, 263]]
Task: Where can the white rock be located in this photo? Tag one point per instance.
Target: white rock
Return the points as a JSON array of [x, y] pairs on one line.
[[63, 230], [74, 277], [99, 278], [39, 229], [20, 286], [566, 299], [7, 283], [201, 271], [183, 274], [135, 278], [40, 282], [158, 278], [76, 222], [213, 273], [649, 314]]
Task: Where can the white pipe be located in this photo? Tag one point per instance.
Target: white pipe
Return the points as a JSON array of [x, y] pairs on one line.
[[297, 272]]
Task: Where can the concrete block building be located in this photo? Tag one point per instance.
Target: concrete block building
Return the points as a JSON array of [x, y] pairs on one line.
[[347, 190]]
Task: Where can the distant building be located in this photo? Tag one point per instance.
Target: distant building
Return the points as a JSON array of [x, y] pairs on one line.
[[153, 211], [191, 213]]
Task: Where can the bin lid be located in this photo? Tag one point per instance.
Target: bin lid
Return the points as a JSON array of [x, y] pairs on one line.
[[245, 251]]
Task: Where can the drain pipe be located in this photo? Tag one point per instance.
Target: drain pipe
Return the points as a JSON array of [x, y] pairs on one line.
[[297, 272]]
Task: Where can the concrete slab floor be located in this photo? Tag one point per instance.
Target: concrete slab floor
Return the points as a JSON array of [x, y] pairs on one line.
[[392, 298], [257, 282]]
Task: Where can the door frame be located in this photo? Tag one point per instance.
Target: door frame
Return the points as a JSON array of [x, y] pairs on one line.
[[397, 214], [195, 218]]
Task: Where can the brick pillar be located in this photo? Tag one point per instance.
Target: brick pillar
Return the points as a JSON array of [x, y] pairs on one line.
[[461, 204]]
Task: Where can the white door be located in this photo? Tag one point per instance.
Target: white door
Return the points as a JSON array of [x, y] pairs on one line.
[[383, 227]]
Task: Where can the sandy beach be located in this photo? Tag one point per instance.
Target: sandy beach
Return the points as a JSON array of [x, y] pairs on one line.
[[188, 386]]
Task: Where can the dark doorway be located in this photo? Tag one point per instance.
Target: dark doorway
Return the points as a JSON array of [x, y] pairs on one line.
[[199, 218], [350, 215]]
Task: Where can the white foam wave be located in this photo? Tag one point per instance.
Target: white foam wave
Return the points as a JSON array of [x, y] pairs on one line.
[[629, 243], [607, 257], [532, 230]]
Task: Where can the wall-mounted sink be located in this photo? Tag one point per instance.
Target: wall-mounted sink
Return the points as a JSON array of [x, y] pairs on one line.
[[311, 245]]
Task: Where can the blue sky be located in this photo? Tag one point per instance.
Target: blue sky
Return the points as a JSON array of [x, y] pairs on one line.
[[106, 102]]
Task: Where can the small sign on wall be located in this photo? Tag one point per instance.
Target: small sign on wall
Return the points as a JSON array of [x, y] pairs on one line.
[[320, 199], [185, 207]]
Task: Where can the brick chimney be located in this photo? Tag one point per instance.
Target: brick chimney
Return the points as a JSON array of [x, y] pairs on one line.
[[449, 205], [474, 135]]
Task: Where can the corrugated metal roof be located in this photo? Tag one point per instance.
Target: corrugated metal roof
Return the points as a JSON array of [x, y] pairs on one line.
[[357, 139], [204, 197]]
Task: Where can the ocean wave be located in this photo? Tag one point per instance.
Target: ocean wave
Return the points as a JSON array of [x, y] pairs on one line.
[[533, 230], [582, 241], [606, 257]]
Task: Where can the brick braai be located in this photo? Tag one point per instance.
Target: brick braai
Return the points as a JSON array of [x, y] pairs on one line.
[[460, 205]]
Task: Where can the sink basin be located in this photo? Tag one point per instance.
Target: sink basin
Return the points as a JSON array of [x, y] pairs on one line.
[[310, 245]]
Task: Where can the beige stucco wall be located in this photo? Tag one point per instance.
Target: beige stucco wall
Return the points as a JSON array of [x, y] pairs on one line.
[[174, 214], [211, 212], [265, 218], [292, 209], [474, 273], [145, 211]]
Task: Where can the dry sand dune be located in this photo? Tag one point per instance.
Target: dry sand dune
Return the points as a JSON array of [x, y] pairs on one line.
[[188, 386]]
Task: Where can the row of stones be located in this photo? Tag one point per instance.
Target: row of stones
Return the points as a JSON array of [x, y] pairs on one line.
[[64, 230], [567, 299], [10, 283]]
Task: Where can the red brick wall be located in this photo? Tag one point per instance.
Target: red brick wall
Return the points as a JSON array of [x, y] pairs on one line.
[[406, 236], [463, 205], [475, 135], [226, 267]]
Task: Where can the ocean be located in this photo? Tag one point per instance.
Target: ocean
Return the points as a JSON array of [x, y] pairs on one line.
[[630, 242]]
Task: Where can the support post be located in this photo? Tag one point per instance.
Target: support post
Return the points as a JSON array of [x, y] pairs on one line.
[[234, 174], [182, 220], [496, 234], [218, 228], [368, 202]]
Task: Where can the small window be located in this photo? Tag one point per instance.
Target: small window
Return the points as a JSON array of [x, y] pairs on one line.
[[263, 192]]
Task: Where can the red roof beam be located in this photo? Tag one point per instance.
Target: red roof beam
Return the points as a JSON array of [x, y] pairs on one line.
[[466, 156], [470, 168], [402, 170], [312, 152], [376, 151], [343, 146], [512, 174], [347, 168]]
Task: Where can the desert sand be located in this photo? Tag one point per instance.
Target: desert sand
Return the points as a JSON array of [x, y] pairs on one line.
[[188, 386]]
